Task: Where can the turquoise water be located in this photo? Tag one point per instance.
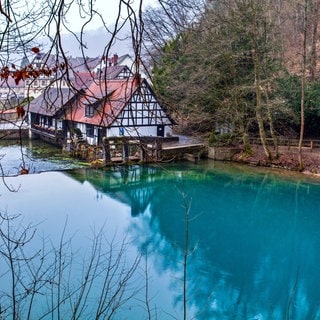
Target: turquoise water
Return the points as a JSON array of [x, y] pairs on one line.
[[34, 155], [253, 247]]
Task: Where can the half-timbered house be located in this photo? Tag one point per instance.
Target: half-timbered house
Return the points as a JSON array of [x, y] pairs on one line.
[[105, 108], [113, 108]]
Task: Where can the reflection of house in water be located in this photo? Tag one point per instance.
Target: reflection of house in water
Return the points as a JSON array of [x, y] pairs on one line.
[[244, 249], [134, 185]]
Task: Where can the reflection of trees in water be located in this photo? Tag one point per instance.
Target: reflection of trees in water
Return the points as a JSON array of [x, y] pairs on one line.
[[135, 186], [46, 280], [256, 245], [256, 237]]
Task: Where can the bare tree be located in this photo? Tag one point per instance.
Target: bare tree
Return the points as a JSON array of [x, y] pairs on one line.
[[303, 83], [48, 282], [32, 33]]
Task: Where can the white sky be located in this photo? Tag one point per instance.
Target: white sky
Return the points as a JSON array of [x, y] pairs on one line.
[[95, 35], [108, 9]]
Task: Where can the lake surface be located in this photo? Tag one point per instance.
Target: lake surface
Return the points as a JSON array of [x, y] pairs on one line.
[[252, 250], [34, 155]]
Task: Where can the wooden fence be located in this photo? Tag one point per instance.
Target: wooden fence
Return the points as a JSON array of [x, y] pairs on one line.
[[310, 144]]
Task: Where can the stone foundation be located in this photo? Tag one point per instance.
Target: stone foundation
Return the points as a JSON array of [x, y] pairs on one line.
[[222, 153]]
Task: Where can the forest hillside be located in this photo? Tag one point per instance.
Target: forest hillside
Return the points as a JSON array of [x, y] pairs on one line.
[[239, 69]]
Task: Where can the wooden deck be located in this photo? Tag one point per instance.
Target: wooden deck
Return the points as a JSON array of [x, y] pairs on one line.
[[183, 147], [191, 152]]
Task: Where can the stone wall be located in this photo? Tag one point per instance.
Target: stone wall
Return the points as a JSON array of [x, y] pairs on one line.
[[222, 153]]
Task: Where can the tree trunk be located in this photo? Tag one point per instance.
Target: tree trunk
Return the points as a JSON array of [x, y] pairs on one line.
[[303, 83], [259, 116], [257, 76], [313, 53], [272, 132]]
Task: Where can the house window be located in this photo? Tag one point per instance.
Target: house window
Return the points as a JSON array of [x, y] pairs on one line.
[[90, 130], [89, 111]]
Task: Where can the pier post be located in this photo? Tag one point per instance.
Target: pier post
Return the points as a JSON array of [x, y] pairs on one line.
[[125, 149], [158, 147], [142, 152], [106, 150]]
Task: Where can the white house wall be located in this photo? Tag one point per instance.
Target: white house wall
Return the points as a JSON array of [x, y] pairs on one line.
[[59, 124], [148, 131], [132, 131], [83, 127], [168, 131]]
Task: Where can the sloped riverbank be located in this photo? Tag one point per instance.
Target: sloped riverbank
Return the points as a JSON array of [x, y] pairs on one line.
[[288, 159]]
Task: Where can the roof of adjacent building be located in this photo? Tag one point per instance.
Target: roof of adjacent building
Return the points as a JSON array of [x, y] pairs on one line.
[[85, 78], [112, 72], [76, 63], [81, 64], [51, 101]]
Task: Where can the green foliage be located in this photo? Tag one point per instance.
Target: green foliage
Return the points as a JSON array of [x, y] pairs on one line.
[[248, 151], [290, 89], [170, 70], [312, 110], [26, 101], [208, 74]]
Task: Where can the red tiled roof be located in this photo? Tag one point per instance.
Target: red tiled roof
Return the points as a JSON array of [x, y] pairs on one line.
[[82, 80], [108, 97]]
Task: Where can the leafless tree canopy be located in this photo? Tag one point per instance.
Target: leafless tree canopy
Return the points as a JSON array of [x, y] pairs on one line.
[[46, 25]]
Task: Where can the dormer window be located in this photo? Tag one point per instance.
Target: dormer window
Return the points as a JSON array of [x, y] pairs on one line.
[[89, 111]]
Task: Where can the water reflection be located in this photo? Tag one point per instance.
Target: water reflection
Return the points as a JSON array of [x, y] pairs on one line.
[[135, 186], [254, 241]]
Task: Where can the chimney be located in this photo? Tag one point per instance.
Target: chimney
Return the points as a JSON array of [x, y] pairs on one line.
[[115, 59], [137, 79]]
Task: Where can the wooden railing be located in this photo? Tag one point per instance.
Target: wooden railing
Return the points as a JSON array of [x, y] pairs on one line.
[[289, 142], [47, 130]]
